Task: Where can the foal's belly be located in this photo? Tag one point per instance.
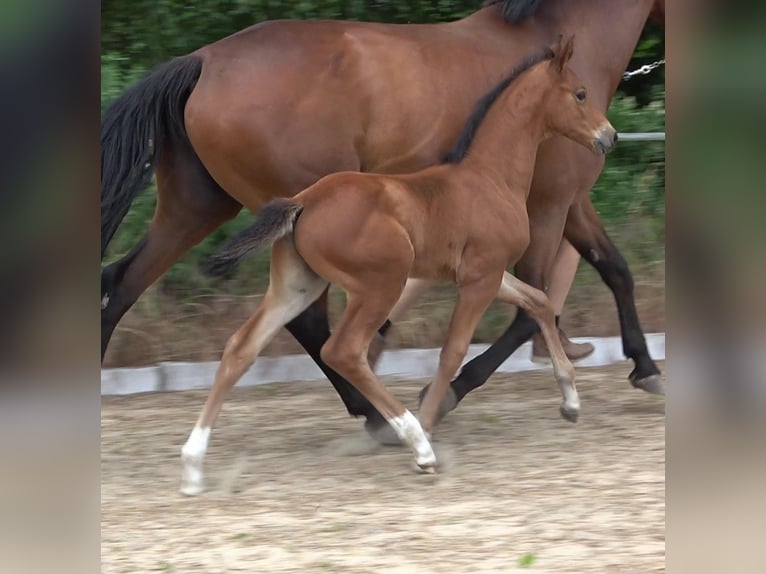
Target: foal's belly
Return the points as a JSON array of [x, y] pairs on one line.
[[441, 271]]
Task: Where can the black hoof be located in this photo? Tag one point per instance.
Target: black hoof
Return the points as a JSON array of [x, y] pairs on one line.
[[382, 432], [568, 415], [651, 384], [448, 403]]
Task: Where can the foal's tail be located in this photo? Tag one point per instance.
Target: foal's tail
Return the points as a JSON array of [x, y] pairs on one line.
[[274, 221], [134, 130]]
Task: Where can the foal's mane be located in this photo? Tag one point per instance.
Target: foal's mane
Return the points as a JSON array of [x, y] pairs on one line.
[[516, 10], [460, 149]]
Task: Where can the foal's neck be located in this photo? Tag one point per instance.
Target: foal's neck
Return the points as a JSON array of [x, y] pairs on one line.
[[505, 146]]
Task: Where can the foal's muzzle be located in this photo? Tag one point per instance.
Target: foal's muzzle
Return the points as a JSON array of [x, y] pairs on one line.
[[605, 139]]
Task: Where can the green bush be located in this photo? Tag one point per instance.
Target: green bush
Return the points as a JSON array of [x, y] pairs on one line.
[[630, 193]]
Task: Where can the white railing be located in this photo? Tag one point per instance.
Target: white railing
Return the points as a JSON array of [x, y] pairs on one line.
[[642, 137]]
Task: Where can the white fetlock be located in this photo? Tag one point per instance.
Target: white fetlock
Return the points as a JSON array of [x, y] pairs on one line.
[[409, 431], [192, 457], [192, 478], [570, 409]]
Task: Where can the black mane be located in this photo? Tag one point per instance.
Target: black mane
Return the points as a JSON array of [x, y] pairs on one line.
[[516, 10], [460, 149]]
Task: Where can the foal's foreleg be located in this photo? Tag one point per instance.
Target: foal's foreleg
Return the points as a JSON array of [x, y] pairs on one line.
[[293, 287], [472, 301], [536, 303]]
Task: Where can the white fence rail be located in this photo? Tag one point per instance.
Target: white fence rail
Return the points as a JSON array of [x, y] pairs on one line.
[[642, 137], [410, 363]]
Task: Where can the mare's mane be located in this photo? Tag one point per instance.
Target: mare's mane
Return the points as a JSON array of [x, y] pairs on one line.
[[516, 10]]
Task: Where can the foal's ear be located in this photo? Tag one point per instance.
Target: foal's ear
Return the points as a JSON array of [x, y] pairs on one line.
[[562, 52]]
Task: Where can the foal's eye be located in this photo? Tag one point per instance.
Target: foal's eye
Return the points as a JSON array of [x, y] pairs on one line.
[[580, 95]]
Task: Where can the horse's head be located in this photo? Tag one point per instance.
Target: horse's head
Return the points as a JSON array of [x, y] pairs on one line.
[[568, 110]]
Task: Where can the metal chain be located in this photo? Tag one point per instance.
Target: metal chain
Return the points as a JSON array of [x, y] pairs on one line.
[[643, 70]]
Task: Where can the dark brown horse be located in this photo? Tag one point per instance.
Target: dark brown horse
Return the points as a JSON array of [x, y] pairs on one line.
[[268, 111]]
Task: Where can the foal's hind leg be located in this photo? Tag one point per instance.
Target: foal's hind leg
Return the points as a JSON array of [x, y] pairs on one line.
[[189, 206], [293, 287], [312, 329], [346, 352], [535, 302]]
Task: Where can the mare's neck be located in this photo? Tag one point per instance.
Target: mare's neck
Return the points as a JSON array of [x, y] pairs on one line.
[[607, 32], [607, 35]]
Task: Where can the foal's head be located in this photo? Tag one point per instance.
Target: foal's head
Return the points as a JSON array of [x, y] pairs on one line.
[[567, 109]]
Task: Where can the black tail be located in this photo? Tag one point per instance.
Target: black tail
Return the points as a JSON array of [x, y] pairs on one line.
[[133, 131], [273, 222]]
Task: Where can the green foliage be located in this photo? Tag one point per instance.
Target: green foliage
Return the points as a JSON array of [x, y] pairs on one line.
[[150, 31], [630, 193]]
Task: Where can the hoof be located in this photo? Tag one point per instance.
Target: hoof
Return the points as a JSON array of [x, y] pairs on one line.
[[425, 468], [382, 432], [449, 402], [651, 384], [189, 489], [192, 479], [569, 413]]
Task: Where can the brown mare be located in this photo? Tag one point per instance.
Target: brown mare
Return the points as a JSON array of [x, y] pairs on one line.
[[270, 110], [464, 222]]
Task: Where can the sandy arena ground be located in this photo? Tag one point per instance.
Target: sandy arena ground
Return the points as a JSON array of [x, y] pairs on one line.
[[295, 485]]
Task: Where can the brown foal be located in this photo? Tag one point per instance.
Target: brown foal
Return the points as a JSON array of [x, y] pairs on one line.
[[464, 221]]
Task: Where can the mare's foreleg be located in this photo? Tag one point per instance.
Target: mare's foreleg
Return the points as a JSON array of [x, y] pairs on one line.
[[586, 233]]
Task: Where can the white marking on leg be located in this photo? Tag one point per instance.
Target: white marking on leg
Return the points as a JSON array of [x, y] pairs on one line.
[[104, 301], [571, 398], [409, 431], [193, 456]]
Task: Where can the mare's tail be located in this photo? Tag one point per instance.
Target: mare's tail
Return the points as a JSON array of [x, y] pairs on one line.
[[134, 130]]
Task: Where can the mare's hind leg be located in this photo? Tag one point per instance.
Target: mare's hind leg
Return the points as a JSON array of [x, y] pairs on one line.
[[292, 288], [586, 233], [535, 302], [190, 205], [346, 352]]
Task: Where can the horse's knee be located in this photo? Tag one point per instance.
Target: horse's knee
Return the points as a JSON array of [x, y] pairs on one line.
[[452, 355]]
